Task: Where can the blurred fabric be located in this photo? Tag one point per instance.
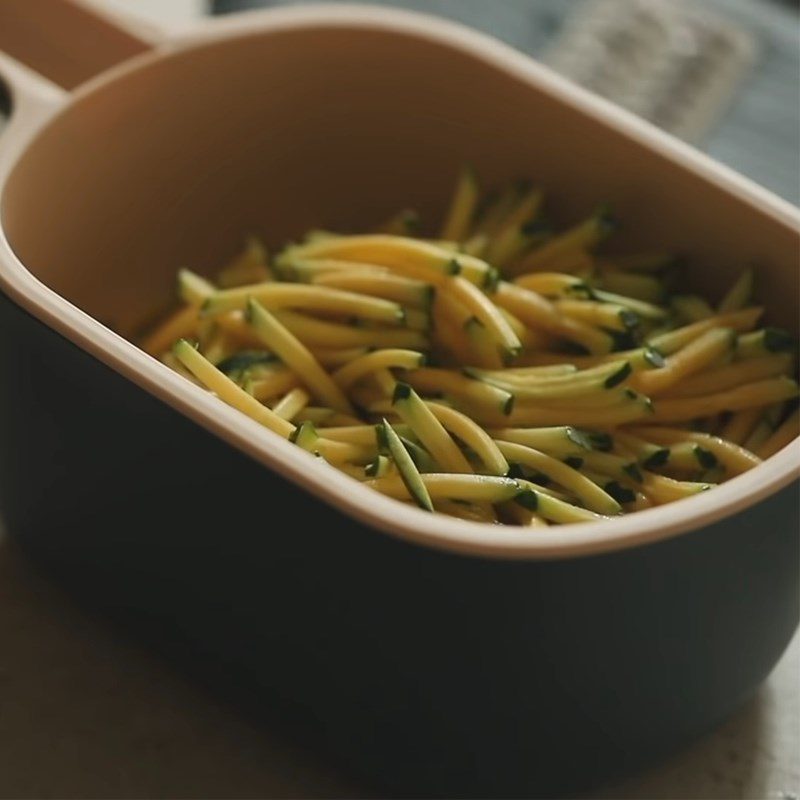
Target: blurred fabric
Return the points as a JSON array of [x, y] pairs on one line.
[[759, 135]]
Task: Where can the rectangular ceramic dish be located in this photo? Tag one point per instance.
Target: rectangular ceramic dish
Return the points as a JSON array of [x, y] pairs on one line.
[[431, 655]]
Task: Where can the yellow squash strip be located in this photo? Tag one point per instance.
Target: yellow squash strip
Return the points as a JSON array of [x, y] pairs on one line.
[[646, 453], [472, 512], [530, 339], [453, 345], [583, 387], [343, 452], [642, 358], [523, 517], [504, 244], [194, 289], [403, 223], [739, 295], [668, 343], [273, 384], [603, 315], [562, 442], [449, 320], [517, 242], [339, 419], [553, 284], [228, 391], [483, 349], [631, 284], [312, 331], [536, 311], [496, 213], [591, 495], [474, 300], [552, 508], [429, 430], [358, 434], [612, 372], [371, 400], [525, 373], [312, 270], [356, 473], [332, 358], [733, 457], [617, 467], [294, 401], [763, 342], [741, 425], [603, 417], [249, 267], [647, 311], [471, 488], [180, 325], [732, 375], [385, 380], [590, 396], [398, 253], [274, 296], [641, 502], [406, 468], [440, 381], [695, 356], [379, 359], [763, 430], [169, 359], [462, 207], [785, 434], [475, 245], [296, 356], [661, 489], [472, 435], [235, 324], [760, 393], [318, 415], [584, 236], [219, 346], [407, 292], [691, 458]]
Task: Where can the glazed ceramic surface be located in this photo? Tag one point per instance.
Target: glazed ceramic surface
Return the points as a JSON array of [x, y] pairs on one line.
[[430, 654]]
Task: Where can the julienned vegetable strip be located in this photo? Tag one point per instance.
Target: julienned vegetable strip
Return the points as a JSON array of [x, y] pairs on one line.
[[297, 357], [502, 372], [427, 428], [228, 391], [473, 436]]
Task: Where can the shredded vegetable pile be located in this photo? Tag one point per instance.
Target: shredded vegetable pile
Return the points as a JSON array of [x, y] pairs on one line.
[[502, 372]]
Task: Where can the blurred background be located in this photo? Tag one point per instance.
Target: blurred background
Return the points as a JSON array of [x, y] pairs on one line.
[[721, 74]]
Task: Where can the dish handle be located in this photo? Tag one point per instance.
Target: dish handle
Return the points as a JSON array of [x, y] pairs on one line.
[[50, 47]]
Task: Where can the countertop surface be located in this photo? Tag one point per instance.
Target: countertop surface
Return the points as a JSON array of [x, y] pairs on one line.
[[87, 713]]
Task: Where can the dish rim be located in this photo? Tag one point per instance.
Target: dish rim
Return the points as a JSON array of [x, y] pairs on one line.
[[333, 487]]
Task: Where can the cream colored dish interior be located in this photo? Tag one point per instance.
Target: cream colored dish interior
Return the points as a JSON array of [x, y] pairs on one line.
[[172, 164], [179, 157]]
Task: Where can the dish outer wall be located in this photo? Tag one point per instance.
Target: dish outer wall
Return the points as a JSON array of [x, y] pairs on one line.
[[428, 672]]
